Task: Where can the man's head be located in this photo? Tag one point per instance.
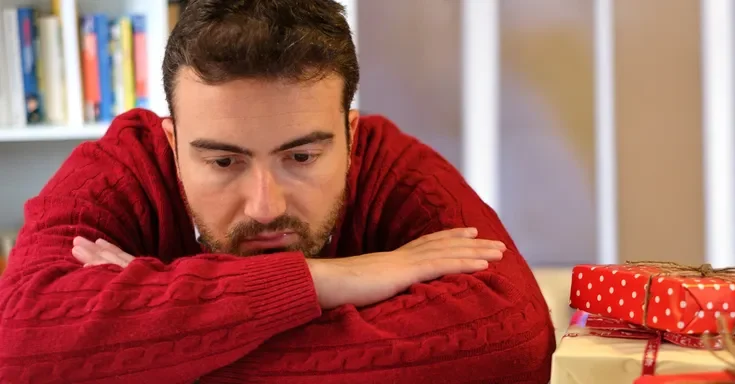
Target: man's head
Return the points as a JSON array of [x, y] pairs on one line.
[[259, 93]]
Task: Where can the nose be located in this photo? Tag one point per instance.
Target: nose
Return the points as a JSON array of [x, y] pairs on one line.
[[266, 200]]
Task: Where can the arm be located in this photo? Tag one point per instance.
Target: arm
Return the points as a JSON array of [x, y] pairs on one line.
[[147, 323], [490, 326]]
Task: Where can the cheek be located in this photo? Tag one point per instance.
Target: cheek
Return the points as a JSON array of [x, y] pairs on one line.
[[213, 204], [313, 197]]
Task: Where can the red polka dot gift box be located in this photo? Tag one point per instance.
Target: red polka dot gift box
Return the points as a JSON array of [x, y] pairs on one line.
[[664, 296]]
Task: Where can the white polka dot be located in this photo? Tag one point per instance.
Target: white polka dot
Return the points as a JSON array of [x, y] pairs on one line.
[[588, 305], [725, 306], [615, 271], [611, 290], [602, 278], [685, 285], [670, 291], [680, 325], [732, 287], [717, 314], [700, 286], [589, 286], [657, 299], [717, 287], [732, 314], [660, 279], [700, 314], [621, 302], [578, 293], [709, 305], [599, 297], [668, 312], [683, 303], [690, 331], [579, 276], [634, 294], [655, 319], [622, 282], [631, 314], [637, 275], [609, 309], [593, 268]]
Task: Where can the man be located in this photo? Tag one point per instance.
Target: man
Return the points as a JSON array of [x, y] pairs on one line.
[[264, 232]]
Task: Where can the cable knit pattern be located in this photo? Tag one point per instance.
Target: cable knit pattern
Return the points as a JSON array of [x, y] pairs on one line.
[[176, 314]]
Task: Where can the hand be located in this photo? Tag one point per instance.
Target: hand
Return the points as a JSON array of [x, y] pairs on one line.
[[367, 279], [99, 252]]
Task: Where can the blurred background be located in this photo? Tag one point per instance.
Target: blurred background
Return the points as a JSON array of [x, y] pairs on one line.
[[557, 115]]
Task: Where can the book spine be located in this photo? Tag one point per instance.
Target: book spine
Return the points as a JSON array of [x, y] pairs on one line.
[[126, 43], [29, 71], [15, 80], [52, 71], [104, 62], [140, 60], [90, 69]]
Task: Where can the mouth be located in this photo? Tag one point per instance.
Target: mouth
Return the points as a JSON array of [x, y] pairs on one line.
[[268, 240]]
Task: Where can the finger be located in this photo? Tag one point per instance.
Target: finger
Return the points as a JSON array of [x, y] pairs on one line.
[[451, 243], [448, 233], [86, 252], [106, 245], [434, 269], [90, 253], [487, 254]]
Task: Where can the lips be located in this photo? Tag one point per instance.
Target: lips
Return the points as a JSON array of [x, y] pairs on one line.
[[269, 240]]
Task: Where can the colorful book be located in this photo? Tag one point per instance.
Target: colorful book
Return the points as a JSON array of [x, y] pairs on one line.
[[141, 60], [29, 66], [90, 69], [104, 62]]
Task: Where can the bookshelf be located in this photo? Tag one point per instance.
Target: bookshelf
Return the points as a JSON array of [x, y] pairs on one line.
[[31, 153]]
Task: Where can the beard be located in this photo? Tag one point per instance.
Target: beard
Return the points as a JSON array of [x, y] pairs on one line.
[[311, 240]]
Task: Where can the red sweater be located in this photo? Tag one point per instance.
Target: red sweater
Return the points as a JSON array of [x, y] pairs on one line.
[[176, 314]]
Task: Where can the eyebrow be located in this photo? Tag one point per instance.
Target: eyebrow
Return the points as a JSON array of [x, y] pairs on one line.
[[213, 145]]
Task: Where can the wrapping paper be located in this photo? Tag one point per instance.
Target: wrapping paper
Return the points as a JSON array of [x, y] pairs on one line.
[[618, 354], [651, 296], [691, 378]]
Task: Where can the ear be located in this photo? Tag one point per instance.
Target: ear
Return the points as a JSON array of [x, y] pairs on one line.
[[168, 128], [353, 117]]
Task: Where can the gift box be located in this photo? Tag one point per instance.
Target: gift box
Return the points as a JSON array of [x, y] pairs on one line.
[[664, 296], [604, 350], [726, 377]]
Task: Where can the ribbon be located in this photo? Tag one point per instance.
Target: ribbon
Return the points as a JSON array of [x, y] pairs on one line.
[[668, 268], [596, 325]]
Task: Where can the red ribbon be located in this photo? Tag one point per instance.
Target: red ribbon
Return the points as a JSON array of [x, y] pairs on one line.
[[609, 327]]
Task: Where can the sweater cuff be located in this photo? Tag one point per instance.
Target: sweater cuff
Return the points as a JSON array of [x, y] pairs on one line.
[[282, 291]]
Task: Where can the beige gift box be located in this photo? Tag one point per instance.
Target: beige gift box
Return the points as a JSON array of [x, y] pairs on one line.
[[589, 359]]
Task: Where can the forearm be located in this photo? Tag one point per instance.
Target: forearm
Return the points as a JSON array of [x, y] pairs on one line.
[[459, 329], [149, 321]]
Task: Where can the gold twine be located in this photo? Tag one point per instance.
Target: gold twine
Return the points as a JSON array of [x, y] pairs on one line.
[[674, 269], [728, 344]]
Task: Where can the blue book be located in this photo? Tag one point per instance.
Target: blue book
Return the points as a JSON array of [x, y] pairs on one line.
[[140, 60], [28, 33], [107, 96]]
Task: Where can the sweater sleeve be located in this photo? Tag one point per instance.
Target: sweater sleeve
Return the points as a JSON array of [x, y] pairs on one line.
[[151, 322], [489, 327]]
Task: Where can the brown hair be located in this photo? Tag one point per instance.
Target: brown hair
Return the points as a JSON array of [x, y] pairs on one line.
[[223, 40]]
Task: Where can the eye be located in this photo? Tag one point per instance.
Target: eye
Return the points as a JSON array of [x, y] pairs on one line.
[[224, 162], [303, 158]]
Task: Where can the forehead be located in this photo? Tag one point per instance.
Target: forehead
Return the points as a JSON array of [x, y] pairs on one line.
[[255, 98]]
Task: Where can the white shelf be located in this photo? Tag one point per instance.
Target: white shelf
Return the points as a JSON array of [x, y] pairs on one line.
[[34, 133]]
